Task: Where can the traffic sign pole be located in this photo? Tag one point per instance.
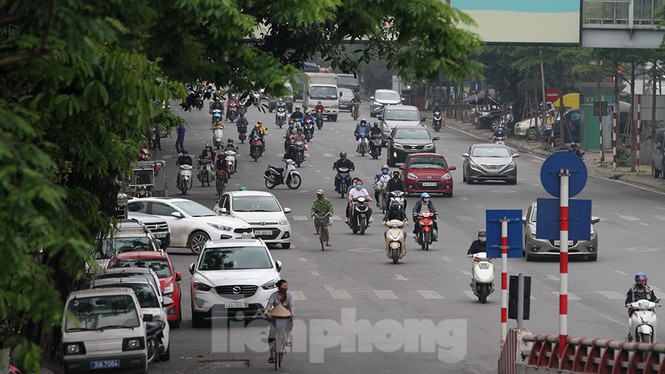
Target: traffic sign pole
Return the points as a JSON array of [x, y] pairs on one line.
[[504, 279], [563, 260], [638, 131]]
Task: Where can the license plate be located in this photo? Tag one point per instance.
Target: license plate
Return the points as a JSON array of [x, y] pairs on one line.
[[235, 305], [160, 235], [262, 232], [104, 364], [246, 235], [429, 184], [558, 242]]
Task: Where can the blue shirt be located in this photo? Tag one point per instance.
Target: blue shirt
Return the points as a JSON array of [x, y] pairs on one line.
[[360, 129], [181, 131]]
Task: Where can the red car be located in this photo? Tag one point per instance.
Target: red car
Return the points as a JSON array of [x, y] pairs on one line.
[[160, 263], [427, 172]]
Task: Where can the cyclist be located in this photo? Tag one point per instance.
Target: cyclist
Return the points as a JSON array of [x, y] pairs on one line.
[[281, 297]]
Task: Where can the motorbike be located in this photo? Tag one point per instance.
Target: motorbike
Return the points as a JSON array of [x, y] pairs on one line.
[[217, 136], [231, 160], [206, 174], [381, 186], [354, 111], [308, 129], [144, 154], [398, 196], [360, 217], [154, 339], [255, 148], [362, 145], [395, 240], [280, 116], [221, 180], [375, 146], [437, 121], [643, 321], [426, 234], [482, 276], [344, 176], [499, 139], [287, 175], [232, 112], [185, 182], [298, 152], [242, 132], [319, 118]]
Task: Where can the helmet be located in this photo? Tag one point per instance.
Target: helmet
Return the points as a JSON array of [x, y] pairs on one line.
[[640, 279], [385, 166], [376, 124], [184, 152], [299, 130], [308, 111], [573, 145], [259, 123], [396, 174], [424, 195], [221, 156], [208, 146], [342, 155], [230, 141], [319, 102], [394, 204], [257, 126], [243, 188], [482, 232], [363, 121], [319, 191]]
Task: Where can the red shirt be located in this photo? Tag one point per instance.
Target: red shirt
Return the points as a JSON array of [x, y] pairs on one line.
[[320, 106]]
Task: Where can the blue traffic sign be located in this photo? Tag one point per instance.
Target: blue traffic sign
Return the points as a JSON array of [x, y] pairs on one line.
[[548, 219], [551, 180], [493, 226]]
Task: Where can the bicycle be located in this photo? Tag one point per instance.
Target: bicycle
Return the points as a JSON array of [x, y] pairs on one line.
[[321, 223], [280, 340]]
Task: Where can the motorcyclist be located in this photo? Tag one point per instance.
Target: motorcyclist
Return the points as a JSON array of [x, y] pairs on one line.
[[356, 193], [230, 146], [183, 159], [395, 183], [424, 205], [207, 153], [385, 176], [263, 129], [362, 128], [217, 120], [216, 104], [375, 130], [233, 100], [242, 120], [478, 245], [356, 99], [280, 104], [298, 136], [575, 148], [297, 114], [354, 180], [256, 132], [320, 107], [291, 129], [343, 162], [639, 291], [500, 133], [436, 108], [395, 213], [308, 116]]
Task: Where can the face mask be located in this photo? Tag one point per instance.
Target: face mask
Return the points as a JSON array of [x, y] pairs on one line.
[[385, 171], [282, 290], [482, 239], [359, 186], [425, 201]]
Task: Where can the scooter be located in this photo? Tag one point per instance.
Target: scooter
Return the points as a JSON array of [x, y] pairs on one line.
[[381, 186], [242, 132], [206, 175], [185, 182], [231, 160], [308, 129], [398, 196], [280, 116], [319, 119], [482, 276], [643, 321], [255, 148], [232, 112], [298, 149], [154, 339], [499, 139], [221, 179], [375, 145], [359, 218], [426, 232], [217, 136], [275, 176], [144, 154], [344, 176], [362, 145], [437, 121], [395, 240]]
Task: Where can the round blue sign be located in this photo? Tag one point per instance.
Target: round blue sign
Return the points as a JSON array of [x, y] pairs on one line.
[[551, 170]]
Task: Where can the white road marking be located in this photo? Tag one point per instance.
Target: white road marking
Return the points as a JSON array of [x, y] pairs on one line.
[[644, 224], [627, 217], [470, 294], [571, 296], [300, 218], [327, 155], [620, 272], [444, 258], [314, 273], [656, 216], [464, 198], [385, 294], [302, 259], [298, 295], [430, 295], [337, 218], [338, 294], [466, 273], [318, 171], [400, 277], [551, 277], [612, 295], [327, 177], [465, 218]]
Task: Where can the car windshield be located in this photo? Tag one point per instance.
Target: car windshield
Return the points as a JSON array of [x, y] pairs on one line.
[[101, 312], [235, 258], [255, 204], [387, 95], [346, 94], [194, 209], [401, 115], [159, 265], [411, 134], [534, 213], [323, 93], [110, 247], [120, 275], [490, 152], [143, 291], [428, 163]]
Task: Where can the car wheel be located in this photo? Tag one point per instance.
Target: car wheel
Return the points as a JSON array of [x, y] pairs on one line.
[[198, 319], [463, 176], [390, 162], [654, 172], [592, 257], [512, 181], [176, 324], [286, 245], [197, 241], [166, 356]]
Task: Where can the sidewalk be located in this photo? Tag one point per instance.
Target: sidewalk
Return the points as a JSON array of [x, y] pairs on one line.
[[591, 158]]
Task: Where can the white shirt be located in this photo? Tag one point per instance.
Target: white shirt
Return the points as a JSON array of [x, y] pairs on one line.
[[356, 193]]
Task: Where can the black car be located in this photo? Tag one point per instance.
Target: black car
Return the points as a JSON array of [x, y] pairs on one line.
[[405, 140]]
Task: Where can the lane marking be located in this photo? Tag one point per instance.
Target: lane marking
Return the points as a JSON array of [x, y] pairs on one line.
[[430, 295], [300, 218], [627, 217], [468, 274], [314, 273], [620, 272], [445, 258], [298, 295], [551, 277], [464, 198], [338, 294], [385, 294], [470, 294], [465, 218], [302, 259], [327, 155], [401, 277], [612, 295], [657, 216], [571, 296]]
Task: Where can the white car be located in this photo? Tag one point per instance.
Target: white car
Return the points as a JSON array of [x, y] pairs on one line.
[[149, 300], [262, 211], [232, 276], [191, 223]]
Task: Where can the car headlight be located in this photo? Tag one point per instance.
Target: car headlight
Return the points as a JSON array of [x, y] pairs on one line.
[[334, 106], [474, 166], [411, 176], [398, 146], [132, 344], [168, 290], [199, 286], [446, 176], [283, 222], [74, 349], [429, 146], [219, 227], [511, 166], [270, 285]]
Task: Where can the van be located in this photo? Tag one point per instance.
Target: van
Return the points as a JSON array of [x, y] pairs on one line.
[[658, 155], [102, 330]]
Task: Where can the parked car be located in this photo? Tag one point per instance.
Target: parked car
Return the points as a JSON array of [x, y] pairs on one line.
[[345, 98], [133, 273], [487, 162], [169, 279], [126, 235], [232, 276], [398, 115], [535, 248], [382, 98], [191, 223], [407, 140], [427, 172], [102, 330], [152, 306], [262, 211], [157, 226]]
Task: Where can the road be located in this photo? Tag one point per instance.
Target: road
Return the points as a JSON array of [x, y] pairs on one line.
[[357, 312]]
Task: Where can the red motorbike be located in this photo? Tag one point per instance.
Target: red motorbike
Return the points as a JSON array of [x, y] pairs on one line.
[[425, 234], [255, 145]]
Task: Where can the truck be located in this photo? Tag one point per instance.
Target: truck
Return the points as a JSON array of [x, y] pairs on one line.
[[322, 87], [348, 81]]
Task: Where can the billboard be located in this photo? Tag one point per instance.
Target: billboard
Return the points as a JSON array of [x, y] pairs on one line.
[[535, 22]]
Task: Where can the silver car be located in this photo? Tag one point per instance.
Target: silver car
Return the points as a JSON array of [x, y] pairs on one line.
[[489, 162], [535, 248]]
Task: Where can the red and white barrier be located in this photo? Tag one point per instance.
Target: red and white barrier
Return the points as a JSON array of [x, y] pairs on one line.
[[504, 279], [614, 139], [563, 259]]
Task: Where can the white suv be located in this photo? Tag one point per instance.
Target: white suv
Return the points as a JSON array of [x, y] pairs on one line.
[[232, 276]]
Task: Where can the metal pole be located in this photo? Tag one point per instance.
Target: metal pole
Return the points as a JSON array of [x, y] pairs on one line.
[[476, 118], [602, 153], [563, 260], [614, 139], [638, 131], [504, 279], [520, 300]]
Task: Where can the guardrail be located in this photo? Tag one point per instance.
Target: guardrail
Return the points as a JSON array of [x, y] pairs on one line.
[[584, 355]]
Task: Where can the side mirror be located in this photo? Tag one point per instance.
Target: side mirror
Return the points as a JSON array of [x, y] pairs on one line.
[[401, 167], [191, 268], [166, 301], [523, 219], [287, 210], [278, 264], [595, 219], [147, 317], [177, 215], [178, 276], [402, 99], [435, 138], [516, 155], [224, 211], [452, 168], [341, 94], [465, 155], [380, 117], [371, 97]]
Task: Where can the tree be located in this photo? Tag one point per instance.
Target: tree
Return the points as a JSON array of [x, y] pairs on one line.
[[82, 81]]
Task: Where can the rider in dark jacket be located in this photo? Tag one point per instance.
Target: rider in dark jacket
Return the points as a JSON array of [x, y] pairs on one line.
[[478, 245], [343, 162]]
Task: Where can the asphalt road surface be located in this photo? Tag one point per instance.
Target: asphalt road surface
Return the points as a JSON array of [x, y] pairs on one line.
[[359, 313]]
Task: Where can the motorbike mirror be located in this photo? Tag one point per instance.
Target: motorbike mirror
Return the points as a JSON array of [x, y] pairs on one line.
[[287, 210], [178, 276], [341, 93], [401, 167], [278, 264], [177, 214], [380, 117], [167, 301], [147, 317], [371, 97], [435, 138], [452, 168], [191, 268], [523, 218]]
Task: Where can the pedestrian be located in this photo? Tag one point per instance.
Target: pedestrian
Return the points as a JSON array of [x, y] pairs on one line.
[[180, 139], [156, 140]]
